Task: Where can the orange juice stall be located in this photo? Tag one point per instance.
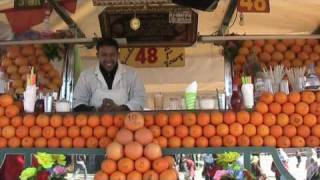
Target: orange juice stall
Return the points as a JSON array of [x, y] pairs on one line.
[[223, 97]]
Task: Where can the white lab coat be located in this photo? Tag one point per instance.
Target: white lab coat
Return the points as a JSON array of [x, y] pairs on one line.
[[127, 88]]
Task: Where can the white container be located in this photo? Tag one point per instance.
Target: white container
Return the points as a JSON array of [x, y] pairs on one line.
[[29, 99], [247, 95], [63, 106], [207, 103]]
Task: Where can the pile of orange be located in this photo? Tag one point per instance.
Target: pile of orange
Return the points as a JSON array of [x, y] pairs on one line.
[[17, 64], [288, 52], [134, 156]]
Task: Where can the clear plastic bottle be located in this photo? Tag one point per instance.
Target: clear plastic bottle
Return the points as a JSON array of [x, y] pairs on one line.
[[312, 80]]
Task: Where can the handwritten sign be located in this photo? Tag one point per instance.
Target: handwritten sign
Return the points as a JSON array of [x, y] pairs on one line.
[[153, 57], [22, 4], [258, 6]]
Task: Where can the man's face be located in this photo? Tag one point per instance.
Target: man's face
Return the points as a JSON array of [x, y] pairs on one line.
[[108, 57]]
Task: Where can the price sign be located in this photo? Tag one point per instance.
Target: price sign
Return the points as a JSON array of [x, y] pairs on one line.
[[253, 6], [21, 4], [153, 57]]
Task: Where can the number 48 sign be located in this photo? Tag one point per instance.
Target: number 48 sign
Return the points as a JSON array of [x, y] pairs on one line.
[[253, 6], [153, 57]]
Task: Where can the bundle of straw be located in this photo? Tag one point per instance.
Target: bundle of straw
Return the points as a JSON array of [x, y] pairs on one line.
[[275, 75], [294, 76]]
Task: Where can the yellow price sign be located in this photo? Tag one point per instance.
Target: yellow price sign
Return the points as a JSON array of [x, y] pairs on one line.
[[253, 6], [153, 57]]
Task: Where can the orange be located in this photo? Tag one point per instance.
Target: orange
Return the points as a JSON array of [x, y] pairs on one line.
[[315, 108], [189, 119], [181, 131], [209, 130], [108, 166], [104, 142], [243, 140], [86, 131], [40, 142], [302, 108], [92, 142], [6, 100], [16, 121], [117, 176], [316, 130], [78, 142], [289, 130], [195, 131], [312, 141], [222, 129], [266, 97], [216, 118], [297, 141], [280, 97], [56, 120], [202, 142], [35, 131], [161, 119], [275, 108], [53, 142], [276, 131], [167, 131], [14, 142], [100, 176], [112, 131], [42, 120], [107, 120], [66, 142], [61, 132], [296, 119], [308, 97], [150, 175], [188, 142], [4, 121], [269, 119], [229, 141], [174, 142], [68, 120], [162, 141], [156, 131], [149, 120], [27, 142], [203, 119], [236, 129], [229, 117], [261, 107], [263, 130], [93, 120], [175, 119], [256, 118], [48, 132], [142, 164], [288, 108], [270, 141], [282, 119], [243, 117], [118, 119], [81, 120], [249, 130], [22, 131], [1, 111], [215, 141], [309, 120], [283, 142], [303, 131], [318, 96], [100, 131], [256, 140], [134, 175], [73, 131], [12, 110]]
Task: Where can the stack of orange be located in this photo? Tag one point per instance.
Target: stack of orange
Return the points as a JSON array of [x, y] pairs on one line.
[[17, 64], [288, 120], [288, 52], [55, 130], [134, 156]]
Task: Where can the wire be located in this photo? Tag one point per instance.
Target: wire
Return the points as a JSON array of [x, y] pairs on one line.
[[234, 20]]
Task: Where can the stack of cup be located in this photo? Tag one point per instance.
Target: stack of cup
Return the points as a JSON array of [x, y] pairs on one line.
[[30, 97], [191, 95]]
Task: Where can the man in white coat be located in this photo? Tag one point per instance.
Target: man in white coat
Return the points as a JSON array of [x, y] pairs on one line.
[[110, 85]]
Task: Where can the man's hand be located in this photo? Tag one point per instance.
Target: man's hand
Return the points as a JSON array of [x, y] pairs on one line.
[[107, 105]]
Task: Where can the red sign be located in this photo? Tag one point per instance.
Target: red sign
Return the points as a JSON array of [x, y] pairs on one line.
[[258, 6]]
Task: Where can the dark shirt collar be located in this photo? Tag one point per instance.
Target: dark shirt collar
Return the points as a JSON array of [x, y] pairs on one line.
[[108, 75]]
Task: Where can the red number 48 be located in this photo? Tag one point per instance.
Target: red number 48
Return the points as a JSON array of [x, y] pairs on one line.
[[147, 54]]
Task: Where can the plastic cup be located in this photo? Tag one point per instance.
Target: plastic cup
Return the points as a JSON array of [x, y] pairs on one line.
[[247, 95], [190, 99]]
